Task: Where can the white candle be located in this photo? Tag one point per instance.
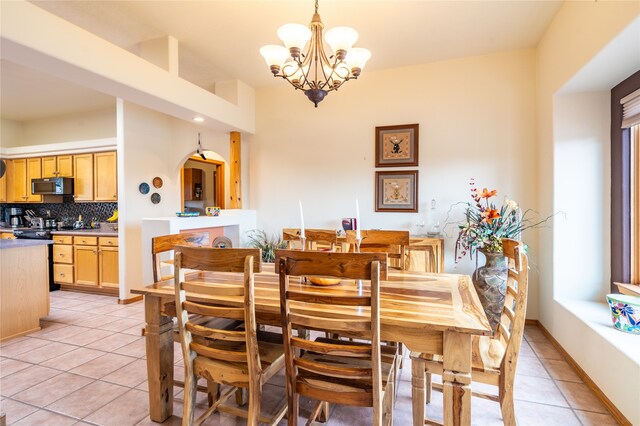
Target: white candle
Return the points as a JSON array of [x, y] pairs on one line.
[[301, 221], [357, 219]]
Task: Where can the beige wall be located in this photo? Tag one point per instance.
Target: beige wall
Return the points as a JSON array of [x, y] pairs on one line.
[[579, 31], [80, 126], [476, 116]]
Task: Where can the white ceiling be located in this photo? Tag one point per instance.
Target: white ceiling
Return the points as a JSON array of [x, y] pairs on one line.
[[219, 40]]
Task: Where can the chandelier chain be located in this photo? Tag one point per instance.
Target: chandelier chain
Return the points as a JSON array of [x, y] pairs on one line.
[[316, 6]]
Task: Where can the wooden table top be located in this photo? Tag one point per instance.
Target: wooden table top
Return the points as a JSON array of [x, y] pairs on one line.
[[411, 300]]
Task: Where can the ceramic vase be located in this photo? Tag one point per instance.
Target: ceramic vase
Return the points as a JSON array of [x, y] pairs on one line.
[[490, 282]]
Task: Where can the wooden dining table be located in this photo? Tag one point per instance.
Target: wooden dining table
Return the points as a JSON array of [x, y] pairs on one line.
[[432, 313]]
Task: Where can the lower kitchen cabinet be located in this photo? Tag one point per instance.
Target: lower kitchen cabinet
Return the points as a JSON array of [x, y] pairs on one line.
[[86, 263]]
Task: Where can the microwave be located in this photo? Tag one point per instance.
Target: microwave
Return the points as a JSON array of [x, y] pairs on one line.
[[52, 186]]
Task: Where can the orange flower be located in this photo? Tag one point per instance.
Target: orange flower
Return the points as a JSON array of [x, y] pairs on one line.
[[488, 194], [489, 215]]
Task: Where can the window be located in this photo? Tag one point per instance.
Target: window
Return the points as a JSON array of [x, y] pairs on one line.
[[625, 184]]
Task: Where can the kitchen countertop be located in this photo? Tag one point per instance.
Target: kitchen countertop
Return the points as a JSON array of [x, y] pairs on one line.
[[98, 232], [8, 244]]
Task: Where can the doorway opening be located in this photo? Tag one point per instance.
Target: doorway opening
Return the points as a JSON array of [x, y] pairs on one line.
[[202, 184]]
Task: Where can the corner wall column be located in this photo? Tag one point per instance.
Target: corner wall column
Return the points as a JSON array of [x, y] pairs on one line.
[[236, 171]]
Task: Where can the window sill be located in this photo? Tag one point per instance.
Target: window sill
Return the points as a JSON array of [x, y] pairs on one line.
[[598, 318], [628, 289]]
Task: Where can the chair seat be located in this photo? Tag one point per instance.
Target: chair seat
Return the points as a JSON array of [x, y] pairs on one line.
[[356, 392], [237, 373], [487, 354]]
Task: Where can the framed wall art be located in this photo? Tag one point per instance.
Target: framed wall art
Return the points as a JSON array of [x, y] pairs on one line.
[[397, 191], [397, 146]]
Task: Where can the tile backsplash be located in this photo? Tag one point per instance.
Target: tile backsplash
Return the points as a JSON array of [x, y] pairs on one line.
[[67, 211]]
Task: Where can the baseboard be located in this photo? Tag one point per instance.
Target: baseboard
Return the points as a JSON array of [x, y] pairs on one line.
[[613, 410], [89, 289], [130, 300]]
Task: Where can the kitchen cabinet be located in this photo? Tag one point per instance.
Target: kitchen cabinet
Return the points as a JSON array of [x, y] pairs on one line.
[[86, 265], [60, 166], [105, 176], [3, 187], [192, 184], [85, 262], [19, 175], [83, 177]]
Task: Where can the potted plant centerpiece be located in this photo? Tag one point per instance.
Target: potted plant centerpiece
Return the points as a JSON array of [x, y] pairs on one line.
[[482, 231], [267, 243]]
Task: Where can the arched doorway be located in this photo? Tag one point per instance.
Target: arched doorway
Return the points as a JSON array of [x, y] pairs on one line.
[[203, 182]]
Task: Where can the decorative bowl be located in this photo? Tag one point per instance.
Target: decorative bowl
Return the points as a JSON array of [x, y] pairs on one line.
[[187, 214], [324, 280], [625, 312]]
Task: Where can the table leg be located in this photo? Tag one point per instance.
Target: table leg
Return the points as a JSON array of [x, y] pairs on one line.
[[159, 339], [456, 378], [417, 391]]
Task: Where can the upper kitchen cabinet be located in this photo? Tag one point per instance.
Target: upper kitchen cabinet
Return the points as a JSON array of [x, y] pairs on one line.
[[60, 166], [19, 175], [3, 183], [105, 176], [83, 177]]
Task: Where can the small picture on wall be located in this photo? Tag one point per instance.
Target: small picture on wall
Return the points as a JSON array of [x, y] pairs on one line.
[[397, 191], [397, 146]]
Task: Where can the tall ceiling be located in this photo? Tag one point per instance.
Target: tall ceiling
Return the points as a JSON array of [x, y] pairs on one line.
[[219, 39]]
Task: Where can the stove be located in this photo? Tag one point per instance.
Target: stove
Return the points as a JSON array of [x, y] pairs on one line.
[[33, 234], [40, 234]]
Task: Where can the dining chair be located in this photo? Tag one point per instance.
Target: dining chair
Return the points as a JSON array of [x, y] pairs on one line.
[[316, 239], [392, 242], [431, 249], [327, 370], [166, 243], [494, 358], [241, 358], [163, 245]]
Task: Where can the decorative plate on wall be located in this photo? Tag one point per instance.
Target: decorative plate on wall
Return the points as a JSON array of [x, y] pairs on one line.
[[157, 182], [143, 188], [155, 198]]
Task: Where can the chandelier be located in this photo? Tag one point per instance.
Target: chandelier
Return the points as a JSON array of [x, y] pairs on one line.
[[313, 71]]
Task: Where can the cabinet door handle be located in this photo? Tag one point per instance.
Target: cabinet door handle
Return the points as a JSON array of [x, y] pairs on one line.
[[61, 254], [61, 274]]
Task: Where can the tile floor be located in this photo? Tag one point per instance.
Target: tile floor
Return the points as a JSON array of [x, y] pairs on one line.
[[87, 366]]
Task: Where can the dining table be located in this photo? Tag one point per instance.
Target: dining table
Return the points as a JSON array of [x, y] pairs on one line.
[[433, 313]]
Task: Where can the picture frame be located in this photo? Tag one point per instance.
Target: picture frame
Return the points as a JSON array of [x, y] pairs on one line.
[[397, 191], [397, 146]]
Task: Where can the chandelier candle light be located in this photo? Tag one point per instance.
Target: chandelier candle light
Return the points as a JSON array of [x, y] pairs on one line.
[[314, 72]]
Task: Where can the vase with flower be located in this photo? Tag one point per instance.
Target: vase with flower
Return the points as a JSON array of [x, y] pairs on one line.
[[483, 229]]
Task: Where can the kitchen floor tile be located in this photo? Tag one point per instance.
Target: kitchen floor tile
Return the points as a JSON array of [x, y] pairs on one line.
[[580, 397], [595, 419], [535, 389], [87, 400], [24, 379], [130, 375], [120, 324], [61, 332], [87, 337], [561, 370], [128, 409], [73, 359], [545, 350], [10, 366], [112, 342], [44, 353], [531, 366], [137, 348], [22, 347], [47, 327], [53, 389], [103, 365], [46, 418], [532, 414], [533, 334], [15, 410]]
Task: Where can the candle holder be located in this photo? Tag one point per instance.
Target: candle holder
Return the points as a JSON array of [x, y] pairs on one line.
[[358, 282], [303, 241]]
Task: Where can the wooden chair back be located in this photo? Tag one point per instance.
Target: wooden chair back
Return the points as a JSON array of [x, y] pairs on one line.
[[167, 243], [243, 260], [510, 329], [394, 243], [316, 239], [318, 313]]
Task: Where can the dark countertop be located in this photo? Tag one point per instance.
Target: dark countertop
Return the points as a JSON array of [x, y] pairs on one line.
[[9, 244], [98, 232]]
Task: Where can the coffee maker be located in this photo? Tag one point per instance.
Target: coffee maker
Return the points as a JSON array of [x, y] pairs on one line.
[[15, 217]]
